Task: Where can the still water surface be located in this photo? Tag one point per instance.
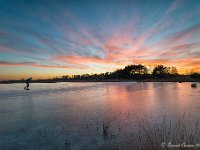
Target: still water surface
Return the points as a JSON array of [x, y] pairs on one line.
[[53, 114]]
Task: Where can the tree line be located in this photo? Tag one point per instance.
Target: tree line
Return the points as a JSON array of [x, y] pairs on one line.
[[131, 72]]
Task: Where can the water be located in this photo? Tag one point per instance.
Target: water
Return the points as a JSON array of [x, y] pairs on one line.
[[72, 115]]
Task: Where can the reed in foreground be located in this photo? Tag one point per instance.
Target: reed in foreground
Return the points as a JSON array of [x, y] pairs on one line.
[[182, 133]]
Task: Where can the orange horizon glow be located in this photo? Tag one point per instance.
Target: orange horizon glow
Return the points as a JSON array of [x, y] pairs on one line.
[[50, 74]]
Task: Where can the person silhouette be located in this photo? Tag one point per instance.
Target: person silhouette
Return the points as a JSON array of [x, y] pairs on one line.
[[27, 83]]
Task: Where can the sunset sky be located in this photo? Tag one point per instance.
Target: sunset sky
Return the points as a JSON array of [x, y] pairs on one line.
[[48, 38]]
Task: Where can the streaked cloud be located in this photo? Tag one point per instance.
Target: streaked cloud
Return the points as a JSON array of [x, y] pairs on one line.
[[104, 35], [33, 64]]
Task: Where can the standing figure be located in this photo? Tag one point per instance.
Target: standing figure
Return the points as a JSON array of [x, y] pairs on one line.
[[27, 83]]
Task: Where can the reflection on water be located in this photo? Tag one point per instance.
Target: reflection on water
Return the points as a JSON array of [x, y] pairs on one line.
[[76, 112]]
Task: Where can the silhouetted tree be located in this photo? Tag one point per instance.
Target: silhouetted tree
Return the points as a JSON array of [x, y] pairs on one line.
[[118, 74], [76, 76], [85, 76], [107, 75], [136, 71], [173, 71], [161, 71], [195, 75], [65, 77]]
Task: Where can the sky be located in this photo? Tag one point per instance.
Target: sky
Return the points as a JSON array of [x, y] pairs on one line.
[[48, 38]]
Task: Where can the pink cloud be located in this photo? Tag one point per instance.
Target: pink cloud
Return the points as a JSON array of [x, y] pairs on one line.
[[80, 59], [4, 63], [121, 49]]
